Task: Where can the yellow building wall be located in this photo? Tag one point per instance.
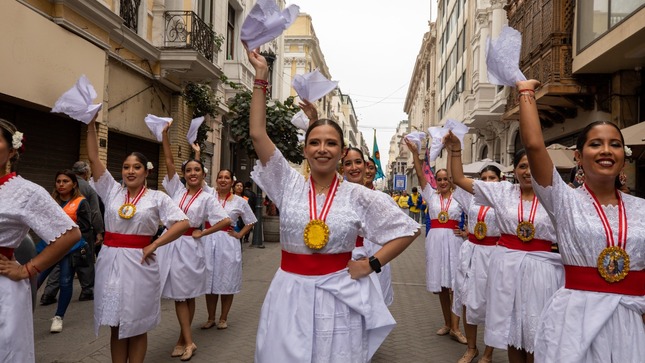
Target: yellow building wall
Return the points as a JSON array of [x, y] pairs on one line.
[[40, 68]]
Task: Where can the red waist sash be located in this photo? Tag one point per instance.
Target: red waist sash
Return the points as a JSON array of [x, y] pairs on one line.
[[126, 240], [359, 241], [589, 279], [315, 264], [486, 241], [190, 231], [452, 224], [6, 252], [534, 245]]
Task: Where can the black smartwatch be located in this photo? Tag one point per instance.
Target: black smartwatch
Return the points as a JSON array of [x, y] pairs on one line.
[[375, 264]]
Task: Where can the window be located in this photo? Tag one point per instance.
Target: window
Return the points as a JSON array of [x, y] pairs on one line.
[[205, 11], [597, 17], [230, 34], [130, 13]]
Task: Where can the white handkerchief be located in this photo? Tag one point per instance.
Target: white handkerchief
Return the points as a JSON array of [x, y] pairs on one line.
[[503, 58], [417, 137], [77, 101], [300, 120], [191, 136], [301, 137], [266, 22], [457, 128], [156, 124], [437, 134], [312, 86]]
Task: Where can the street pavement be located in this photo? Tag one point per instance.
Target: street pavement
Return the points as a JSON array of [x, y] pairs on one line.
[[416, 311]]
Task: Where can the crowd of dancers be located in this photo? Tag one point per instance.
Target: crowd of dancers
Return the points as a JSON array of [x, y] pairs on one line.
[[554, 273]]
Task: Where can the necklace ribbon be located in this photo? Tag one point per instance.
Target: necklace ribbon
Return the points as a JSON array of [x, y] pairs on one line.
[[613, 261], [129, 208], [526, 229], [443, 216], [225, 199], [6, 178], [316, 233], [481, 228], [190, 202]]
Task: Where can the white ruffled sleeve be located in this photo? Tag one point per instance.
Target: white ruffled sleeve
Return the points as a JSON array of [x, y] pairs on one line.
[[276, 177], [247, 214], [41, 213], [383, 219], [554, 195], [214, 210], [169, 212], [106, 186], [173, 186], [464, 198], [491, 194]]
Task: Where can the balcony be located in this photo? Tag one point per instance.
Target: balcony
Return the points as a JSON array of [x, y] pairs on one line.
[[188, 52]]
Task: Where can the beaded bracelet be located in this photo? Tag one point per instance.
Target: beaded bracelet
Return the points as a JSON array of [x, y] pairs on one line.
[[261, 82], [263, 88], [526, 90]]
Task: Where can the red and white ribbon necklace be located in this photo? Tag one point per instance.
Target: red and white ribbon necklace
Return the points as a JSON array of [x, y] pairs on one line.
[[6, 178], [190, 202], [482, 213], [622, 220], [313, 210], [445, 208], [136, 199], [520, 210], [225, 199]]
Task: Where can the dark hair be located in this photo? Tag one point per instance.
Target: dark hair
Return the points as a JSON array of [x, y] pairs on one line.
[[519, 154], [324, 121], [183, 165], [229, 172], [248, 184], [492, 168], [372, 161], [582, 137], [351, 148], [70, 174], [140, 157], [414, 189], [8, 130], [237, 182]]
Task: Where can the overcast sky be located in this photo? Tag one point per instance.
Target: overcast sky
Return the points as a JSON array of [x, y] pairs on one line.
[[370, 47]]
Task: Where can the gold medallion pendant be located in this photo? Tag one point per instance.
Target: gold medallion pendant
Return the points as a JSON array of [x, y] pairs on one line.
[[525, 231], [127, 210], [613, 264], [316, 234], [443, 217], [480, 230]]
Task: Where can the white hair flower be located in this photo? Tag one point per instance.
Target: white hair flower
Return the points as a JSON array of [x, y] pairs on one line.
[[149, 166], [16, 140], [205, 170], [628, 151]]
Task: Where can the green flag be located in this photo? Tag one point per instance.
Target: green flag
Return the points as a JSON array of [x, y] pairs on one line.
[[377, 159]]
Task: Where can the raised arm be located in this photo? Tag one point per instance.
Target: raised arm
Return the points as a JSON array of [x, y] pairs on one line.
[[310, 110], [170, 162], [263, 145], [531, 133], [197, 150], [418, 167], [93, 150], [456, 166]]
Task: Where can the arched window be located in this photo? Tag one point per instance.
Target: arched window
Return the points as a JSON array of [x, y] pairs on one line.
[[484, 153]]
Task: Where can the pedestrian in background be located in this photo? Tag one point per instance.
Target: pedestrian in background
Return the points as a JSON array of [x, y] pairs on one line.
[[403, 201], [415, 201], [252, 198]]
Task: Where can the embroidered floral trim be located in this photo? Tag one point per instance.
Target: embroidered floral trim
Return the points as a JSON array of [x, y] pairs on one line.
[[16, 140]]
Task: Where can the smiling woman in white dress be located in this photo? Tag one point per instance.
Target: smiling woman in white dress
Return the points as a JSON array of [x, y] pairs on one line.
[[182, 264], [598, 315], [127, 291], [23, 206], [224, 251], [442, 243], [321, 305], [471, 280], [524, 272]]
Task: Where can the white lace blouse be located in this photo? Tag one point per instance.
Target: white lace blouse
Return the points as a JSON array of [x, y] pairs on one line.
[[355, 210], [25, 205], [467, 202], [204, 208]]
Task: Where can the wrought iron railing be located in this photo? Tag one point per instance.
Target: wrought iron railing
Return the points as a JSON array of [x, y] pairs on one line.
[[184, 29], [130, 13]]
